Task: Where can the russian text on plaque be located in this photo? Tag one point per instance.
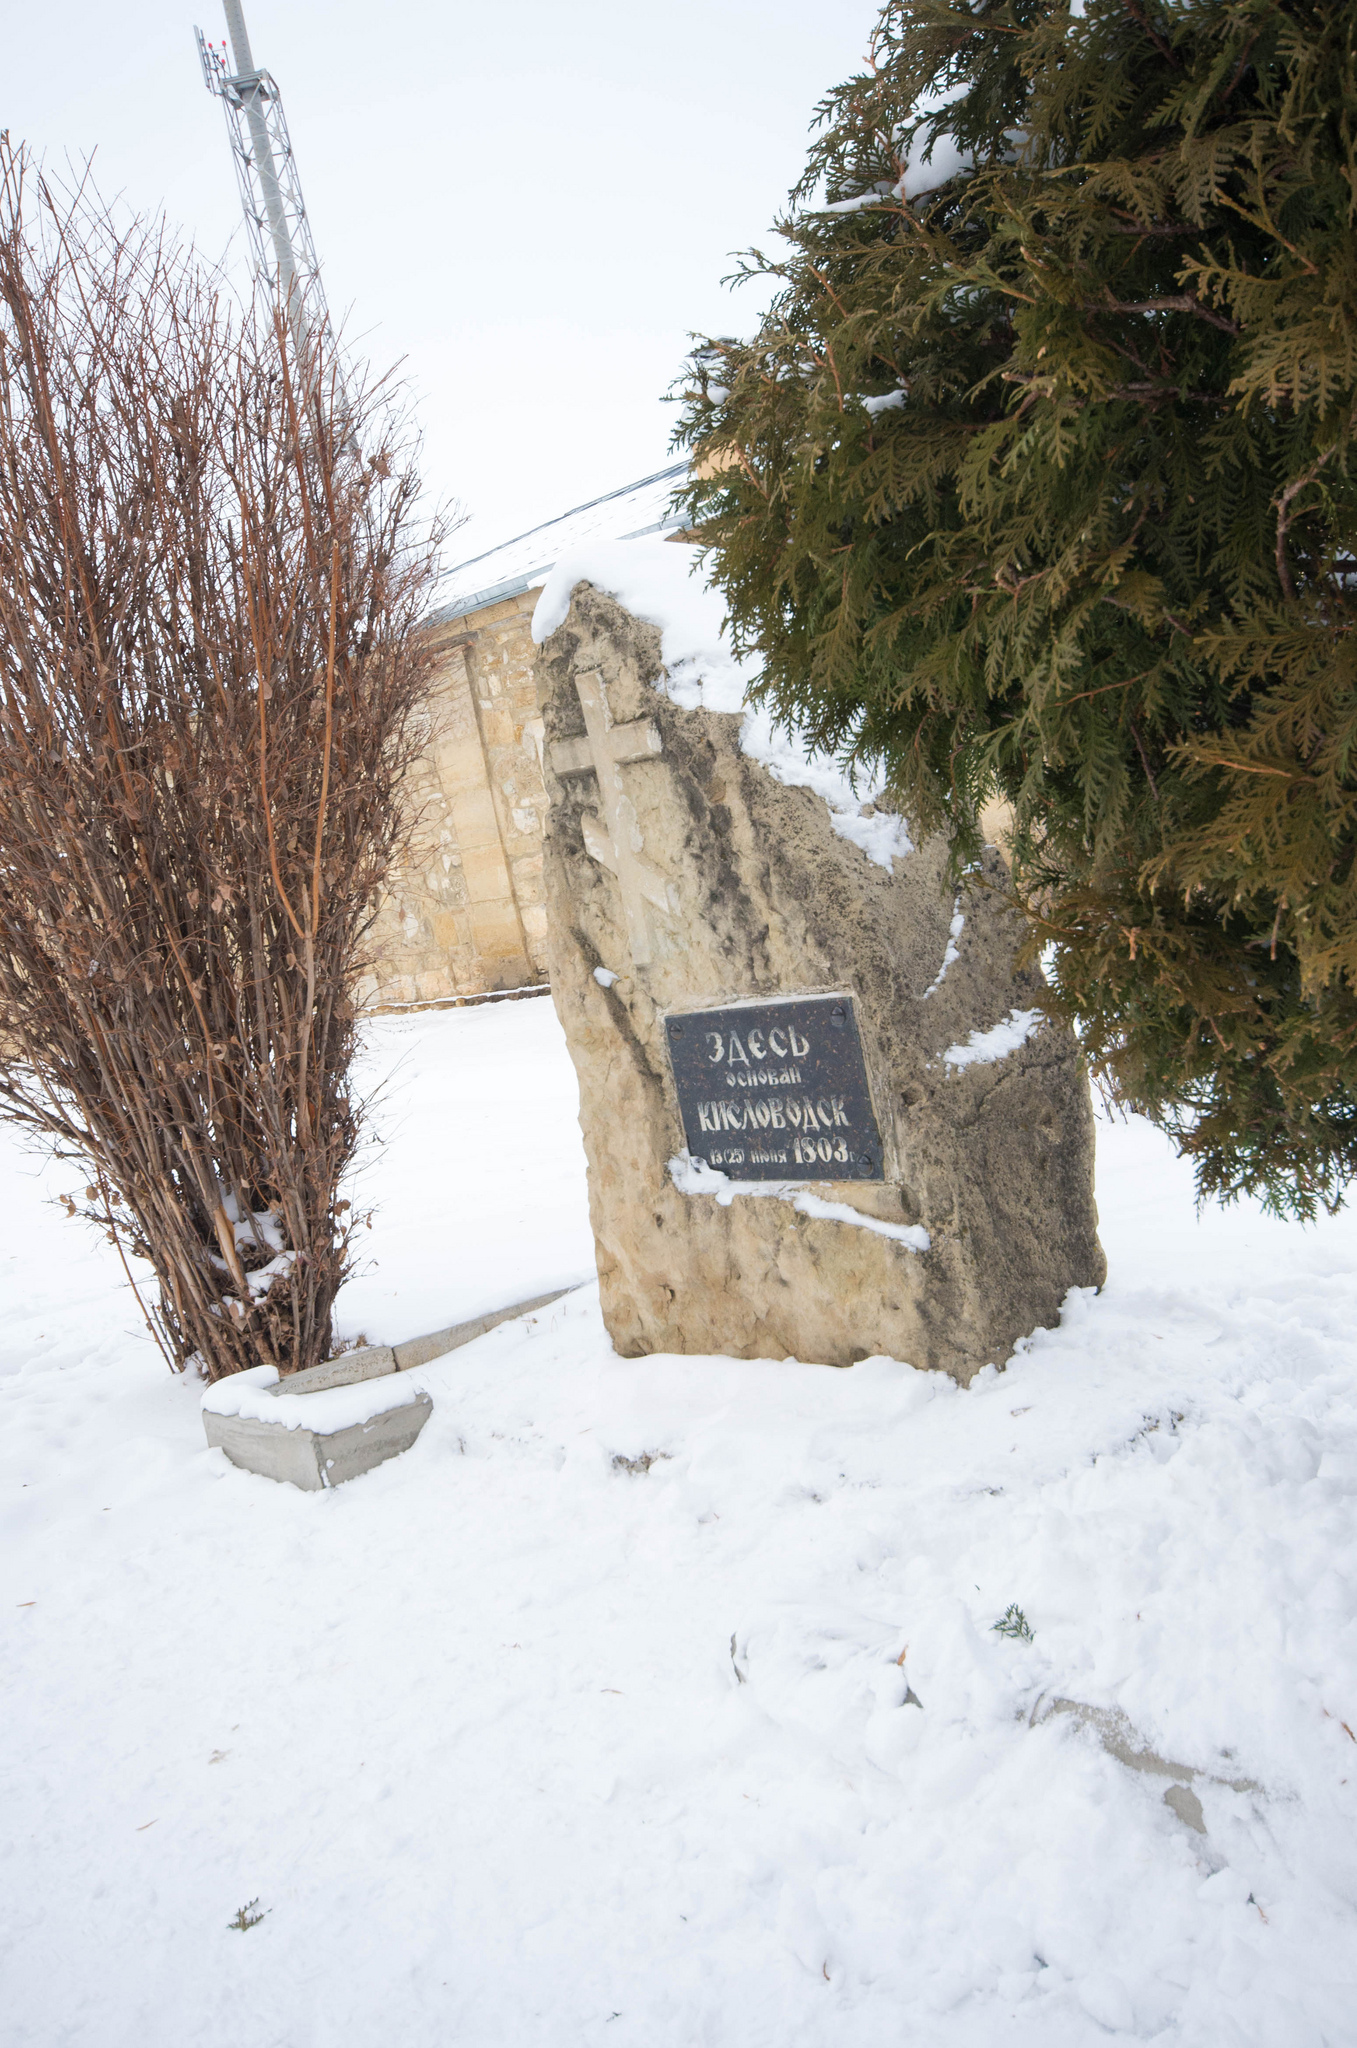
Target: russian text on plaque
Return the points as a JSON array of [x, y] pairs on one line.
[[776, 1090]]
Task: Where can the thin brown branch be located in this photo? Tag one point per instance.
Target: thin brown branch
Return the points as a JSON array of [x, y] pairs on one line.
[[1177, 302], [1144, 758], [1248, 767], [1283, 505], [1142, 20]]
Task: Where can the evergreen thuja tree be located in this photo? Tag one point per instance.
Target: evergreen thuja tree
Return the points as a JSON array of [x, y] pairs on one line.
[[1036, 482]]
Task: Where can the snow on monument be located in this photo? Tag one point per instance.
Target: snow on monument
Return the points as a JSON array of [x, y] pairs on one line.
[[823, 1116]]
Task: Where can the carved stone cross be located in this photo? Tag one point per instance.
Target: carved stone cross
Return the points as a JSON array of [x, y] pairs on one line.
[[616, 843]]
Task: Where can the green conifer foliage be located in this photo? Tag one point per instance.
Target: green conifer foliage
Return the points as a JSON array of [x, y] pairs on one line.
[[1037, 482]]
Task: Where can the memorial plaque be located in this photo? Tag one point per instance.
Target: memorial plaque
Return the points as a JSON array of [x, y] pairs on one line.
[[776, 1091]]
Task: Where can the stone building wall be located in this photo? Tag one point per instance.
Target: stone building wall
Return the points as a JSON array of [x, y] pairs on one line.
[[465, 914]]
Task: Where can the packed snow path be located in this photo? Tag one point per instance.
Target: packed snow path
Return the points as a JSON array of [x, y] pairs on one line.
[[582, 1722]]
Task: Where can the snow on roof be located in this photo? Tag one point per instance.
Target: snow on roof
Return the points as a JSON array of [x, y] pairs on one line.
[[521, 564]]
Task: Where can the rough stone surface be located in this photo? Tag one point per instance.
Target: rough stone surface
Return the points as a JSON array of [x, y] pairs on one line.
[[749, 892], [305, 1457]]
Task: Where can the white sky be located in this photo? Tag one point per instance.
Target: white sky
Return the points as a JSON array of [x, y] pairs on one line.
[[531, 204]]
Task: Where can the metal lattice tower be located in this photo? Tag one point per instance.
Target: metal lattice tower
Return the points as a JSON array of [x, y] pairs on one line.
[[266, 172]]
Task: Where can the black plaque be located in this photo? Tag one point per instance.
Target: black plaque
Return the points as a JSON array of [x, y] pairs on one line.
[[776, 1091]]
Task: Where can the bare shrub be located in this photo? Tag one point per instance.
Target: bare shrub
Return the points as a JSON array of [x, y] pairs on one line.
[[210, 694]]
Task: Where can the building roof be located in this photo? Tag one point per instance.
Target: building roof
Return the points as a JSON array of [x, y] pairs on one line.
[[521, 564]]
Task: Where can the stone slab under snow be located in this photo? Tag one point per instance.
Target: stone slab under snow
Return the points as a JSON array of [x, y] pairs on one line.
[[312, 1440], [339, 1418]]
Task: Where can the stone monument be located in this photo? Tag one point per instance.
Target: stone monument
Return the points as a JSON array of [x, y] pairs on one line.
[[822, 1114]]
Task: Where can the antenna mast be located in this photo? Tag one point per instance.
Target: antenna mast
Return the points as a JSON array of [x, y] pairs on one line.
[[266, 172]]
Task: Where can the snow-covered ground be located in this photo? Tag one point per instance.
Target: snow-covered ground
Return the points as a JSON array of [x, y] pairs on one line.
[[524, 1740]]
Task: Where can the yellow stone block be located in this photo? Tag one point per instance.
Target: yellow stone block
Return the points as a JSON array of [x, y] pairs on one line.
[[434, 982], [503, 608], [473, 818], [461, 764], [497, 728], [449, 929], [487, 878], [456, 717], [495, 930]]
